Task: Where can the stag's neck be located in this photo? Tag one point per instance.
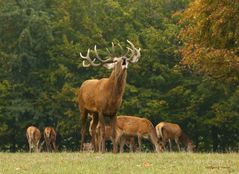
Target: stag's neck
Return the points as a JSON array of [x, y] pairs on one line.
[[118, 82]]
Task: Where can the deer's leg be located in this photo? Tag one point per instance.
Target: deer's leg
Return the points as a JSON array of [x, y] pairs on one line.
[[131, 145], [54, 146], [97, 139], [30, 146], [83, 126], [140, 143], [170, 145], [50, 146], [177, 142], [154, 141], [122, 143], [102, 132], [118, 137], [38, 146], [113, 125], [93, 131], [47, 146]]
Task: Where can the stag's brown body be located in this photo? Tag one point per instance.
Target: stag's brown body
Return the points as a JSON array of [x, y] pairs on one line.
[[103, 97], [170, 131], [33, 135], [50, 139], [139, 127]]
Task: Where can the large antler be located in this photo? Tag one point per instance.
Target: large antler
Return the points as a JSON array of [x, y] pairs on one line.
[[109, 60], [88, 59], [135, 53], [133, 58], [92, 62]]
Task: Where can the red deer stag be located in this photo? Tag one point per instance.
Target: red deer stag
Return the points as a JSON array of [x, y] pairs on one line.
[[124, 140], [103, 97], [33, 135], [170, 131], [50, 139], [140, 127]]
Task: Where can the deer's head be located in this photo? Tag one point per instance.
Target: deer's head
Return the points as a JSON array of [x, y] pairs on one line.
[[47, 132], [117, 63], [191, 147]]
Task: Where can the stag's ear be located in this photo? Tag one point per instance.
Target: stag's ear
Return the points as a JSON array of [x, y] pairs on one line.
[[109, 65]]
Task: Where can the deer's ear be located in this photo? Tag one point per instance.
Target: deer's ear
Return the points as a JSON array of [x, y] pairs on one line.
[[109, 65]]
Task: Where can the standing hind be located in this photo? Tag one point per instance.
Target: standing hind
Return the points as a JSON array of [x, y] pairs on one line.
[[50, 139], [33, 135], [170, 131]]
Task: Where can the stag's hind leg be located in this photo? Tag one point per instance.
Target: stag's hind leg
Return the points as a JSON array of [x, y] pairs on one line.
[[102, 132], [83, 124]]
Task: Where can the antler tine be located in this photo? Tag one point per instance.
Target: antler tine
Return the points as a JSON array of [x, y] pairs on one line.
[[87, 58], [120, 46], [135, 53], [101, 60], [113, 47], [108, 51], [126, 52]]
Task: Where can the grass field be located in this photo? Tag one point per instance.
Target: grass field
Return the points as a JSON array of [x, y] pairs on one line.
[[64, 163]]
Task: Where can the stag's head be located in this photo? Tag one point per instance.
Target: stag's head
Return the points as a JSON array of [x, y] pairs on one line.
[[118, 63]]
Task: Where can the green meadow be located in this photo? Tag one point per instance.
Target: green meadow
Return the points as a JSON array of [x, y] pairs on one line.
[[57, 163]]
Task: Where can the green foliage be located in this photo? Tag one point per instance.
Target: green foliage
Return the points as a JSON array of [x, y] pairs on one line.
[[211, 38]]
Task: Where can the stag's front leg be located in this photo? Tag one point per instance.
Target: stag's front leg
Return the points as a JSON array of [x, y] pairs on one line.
[[83, 124], [94, 136], [102, 132], [115, 144]]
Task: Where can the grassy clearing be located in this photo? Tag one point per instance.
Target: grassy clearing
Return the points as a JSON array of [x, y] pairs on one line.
[[64, 163]]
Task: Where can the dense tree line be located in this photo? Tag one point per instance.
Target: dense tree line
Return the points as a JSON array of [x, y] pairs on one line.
[[188, 72]]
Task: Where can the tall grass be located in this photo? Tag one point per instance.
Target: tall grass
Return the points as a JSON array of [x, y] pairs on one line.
[[64, 163]]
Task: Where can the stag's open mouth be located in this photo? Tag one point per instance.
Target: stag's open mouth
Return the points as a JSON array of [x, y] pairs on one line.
[[124, 64]]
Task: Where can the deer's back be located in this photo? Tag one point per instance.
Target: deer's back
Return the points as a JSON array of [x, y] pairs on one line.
[[33, 133], [132, 125], [172, 130]]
